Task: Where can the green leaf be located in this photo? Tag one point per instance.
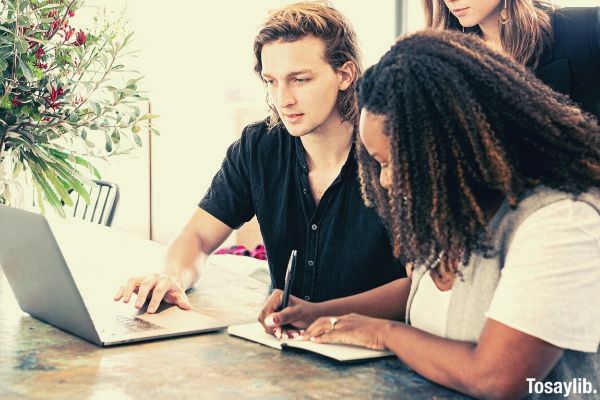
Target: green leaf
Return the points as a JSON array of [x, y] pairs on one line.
[[89, 166], [127, 92], [138, 140], [115, 136], [2, 28], [79, 161], [148, 116], [84, 134], [5, 103], [51, 196], [51, 5], [21, 44], [108, 144], [105, 60], [95, 107], [136, 128], [27, 73], [132, 83], [60, 187], [3, 65], [127, 38], [39, 199]]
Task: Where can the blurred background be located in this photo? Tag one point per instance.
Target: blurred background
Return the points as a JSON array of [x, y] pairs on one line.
[[197, 62]]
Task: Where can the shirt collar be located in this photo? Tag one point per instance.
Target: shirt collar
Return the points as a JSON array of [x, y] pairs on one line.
[[349, 166]]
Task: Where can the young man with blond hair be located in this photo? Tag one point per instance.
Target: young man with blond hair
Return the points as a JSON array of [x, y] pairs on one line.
[[295, 171]]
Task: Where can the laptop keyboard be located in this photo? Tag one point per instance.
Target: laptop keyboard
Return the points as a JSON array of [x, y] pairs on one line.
[[122, 324]]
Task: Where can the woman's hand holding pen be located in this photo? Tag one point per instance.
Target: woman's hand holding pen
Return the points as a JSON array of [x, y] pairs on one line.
[[298, 314]]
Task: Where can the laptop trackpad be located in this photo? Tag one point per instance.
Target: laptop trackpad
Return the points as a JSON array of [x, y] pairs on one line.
[[172, 317]]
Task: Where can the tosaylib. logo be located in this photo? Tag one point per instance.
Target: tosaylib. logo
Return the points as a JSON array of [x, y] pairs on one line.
[[574, 386]]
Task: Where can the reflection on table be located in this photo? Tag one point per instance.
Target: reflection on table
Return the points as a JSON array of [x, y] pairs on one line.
[[38, 361]]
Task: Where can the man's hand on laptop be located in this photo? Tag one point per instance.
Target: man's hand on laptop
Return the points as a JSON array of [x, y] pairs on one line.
[[158, 287]]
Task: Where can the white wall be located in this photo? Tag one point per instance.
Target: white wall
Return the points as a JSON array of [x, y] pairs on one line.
[[198, 66], [197, 61]]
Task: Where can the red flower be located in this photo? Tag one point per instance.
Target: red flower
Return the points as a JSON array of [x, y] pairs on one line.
[[71, 14], [54, 95], [39, 53], [15, 101], [68, 33], [81, 38], [55, 25]]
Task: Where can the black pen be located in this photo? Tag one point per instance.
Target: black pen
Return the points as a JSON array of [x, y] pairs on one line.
[[289, 278]]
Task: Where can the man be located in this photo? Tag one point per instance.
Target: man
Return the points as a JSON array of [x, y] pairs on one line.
[[295, 171]]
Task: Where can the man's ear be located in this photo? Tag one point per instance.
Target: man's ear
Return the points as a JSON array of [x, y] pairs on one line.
[[346, 75]]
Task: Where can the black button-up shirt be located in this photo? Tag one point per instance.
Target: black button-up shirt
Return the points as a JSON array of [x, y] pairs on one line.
[[342, 246]]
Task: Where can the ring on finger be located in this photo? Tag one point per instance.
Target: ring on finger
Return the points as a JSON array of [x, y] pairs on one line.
[[333, 321]]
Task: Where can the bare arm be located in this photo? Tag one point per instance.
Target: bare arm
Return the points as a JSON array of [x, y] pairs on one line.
[[387, 301], [191, 247], [496, 367]]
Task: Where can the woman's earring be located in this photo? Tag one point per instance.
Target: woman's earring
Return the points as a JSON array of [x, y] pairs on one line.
[[463, 29], [503, 18]]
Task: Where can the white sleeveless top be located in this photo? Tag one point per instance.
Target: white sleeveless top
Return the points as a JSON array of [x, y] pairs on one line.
[[548, 286], [429, 309]]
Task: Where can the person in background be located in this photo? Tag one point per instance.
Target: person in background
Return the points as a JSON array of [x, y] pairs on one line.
[[561, 46], [488, 183], [296, 171]]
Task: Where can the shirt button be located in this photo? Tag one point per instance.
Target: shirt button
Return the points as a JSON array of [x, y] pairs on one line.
[[311, 263], [305, 190], [307, 298], [313, 227]]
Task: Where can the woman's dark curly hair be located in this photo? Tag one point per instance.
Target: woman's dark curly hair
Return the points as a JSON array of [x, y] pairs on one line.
[[465, 123]]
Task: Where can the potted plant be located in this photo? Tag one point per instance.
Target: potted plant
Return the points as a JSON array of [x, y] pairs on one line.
[[59, 99]]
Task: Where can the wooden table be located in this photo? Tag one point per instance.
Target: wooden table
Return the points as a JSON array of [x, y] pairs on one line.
[[38, 361]]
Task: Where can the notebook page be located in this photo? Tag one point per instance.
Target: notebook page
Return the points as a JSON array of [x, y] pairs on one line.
[[254, 332], [340, 352]]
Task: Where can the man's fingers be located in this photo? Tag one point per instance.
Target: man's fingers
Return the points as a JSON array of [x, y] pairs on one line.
[[145, 288], [119, 293], [158, 293], [179, 298], [183, 302], [131, 285]]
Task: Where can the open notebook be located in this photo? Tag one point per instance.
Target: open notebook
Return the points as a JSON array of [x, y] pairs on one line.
[[339, 352]]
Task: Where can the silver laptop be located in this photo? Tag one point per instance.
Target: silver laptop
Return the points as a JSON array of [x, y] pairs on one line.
[[46, 289]]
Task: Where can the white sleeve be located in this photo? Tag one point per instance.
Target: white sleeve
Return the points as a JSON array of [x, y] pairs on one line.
[[550, 283]]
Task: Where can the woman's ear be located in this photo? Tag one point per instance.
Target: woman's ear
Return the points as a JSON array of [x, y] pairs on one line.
[[346, 75]]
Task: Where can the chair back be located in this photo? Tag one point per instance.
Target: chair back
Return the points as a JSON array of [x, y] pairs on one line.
[[104, 197]]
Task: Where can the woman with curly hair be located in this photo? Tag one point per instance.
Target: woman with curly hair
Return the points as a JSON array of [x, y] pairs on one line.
[[487, 182], [561, 45]]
